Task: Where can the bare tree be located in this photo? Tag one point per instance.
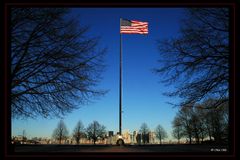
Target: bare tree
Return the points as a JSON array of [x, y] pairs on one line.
[[95, 131], [185, 116], [61, 132], [78, 131], [177, 129], [54, 66], [197, 61], [217, 121], [197, 126], [144, 130], [160, 133], [200, 123]]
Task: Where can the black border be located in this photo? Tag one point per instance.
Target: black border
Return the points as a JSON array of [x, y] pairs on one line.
[[8, 152]]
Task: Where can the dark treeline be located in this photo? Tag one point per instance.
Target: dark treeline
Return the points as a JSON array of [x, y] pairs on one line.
[[198, 124], [93, 132], [196, 62], [96, 131], [202, 124]]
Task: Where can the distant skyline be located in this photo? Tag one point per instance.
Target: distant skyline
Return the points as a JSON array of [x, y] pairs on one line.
[[142, 91]]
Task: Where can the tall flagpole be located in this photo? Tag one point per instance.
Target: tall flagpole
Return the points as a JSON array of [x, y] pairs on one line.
[[120, 84]]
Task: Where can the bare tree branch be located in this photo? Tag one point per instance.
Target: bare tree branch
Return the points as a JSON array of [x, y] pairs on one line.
[[197, 62], [54, 66]]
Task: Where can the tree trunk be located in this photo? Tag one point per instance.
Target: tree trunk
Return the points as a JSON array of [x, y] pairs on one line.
[[197, 139]]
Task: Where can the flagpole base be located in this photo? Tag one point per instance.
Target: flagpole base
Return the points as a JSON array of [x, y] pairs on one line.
[[120, 141]]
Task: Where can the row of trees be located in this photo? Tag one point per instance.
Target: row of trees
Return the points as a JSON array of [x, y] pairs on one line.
[[92, 132], [144, 133], [96, 130], [202, 122]]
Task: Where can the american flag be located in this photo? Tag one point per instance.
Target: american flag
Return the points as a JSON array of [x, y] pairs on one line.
[[133, 27]]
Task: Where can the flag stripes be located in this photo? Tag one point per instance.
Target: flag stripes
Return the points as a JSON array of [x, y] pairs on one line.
[[133, 27]]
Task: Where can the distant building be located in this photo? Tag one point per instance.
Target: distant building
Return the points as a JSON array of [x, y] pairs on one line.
[[19, 139], [126, 136], [152, 138], [134, 139], [110, 134]]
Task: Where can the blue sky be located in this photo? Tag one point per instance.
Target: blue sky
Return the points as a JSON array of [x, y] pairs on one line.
[[142, 91]]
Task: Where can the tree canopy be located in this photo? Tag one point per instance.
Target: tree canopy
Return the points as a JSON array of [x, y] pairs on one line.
[[197, 60], [160, 133], [144, 130], [55, 66], [200, 124], [78, 132], [61, 132], [95, 130]]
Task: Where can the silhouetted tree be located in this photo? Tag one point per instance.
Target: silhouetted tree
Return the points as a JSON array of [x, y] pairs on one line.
[[217, 120], [54, 66], [61, 132], [198, 59], [160, 133], [198, 120], [185, 116], [177, 129], [196, 123], [78, 132], [200, 123], [95, 131], [144, 130]]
